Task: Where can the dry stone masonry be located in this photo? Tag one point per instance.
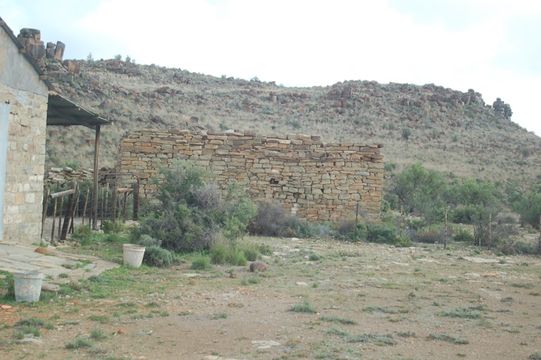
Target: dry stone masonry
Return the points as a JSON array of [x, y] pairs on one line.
[[24, 96], [316, 181]]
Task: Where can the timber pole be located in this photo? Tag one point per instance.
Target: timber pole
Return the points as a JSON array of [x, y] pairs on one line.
[[95, 187]]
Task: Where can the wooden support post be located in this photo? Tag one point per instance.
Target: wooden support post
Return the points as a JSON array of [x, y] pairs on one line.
[[44, 213], [106, 200], [86, 204], [75, 213], [60, 218], [68, 217], [114, 198], [136, 200], [54, 220], [95, 192], [124, 206]]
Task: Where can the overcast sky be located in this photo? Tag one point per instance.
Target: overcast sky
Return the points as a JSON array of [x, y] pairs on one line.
[[492, 46]]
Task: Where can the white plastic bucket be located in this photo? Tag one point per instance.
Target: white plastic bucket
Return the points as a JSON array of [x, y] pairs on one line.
[[27, 286], [133, 255]]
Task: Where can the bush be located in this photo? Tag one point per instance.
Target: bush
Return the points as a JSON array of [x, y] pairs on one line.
[[112, 227], [236, 257], [350, 231], [218, 253], [156, 256], [418, 191], [529, 208], [7, 286], [463, 235], [221, 253], [251, 251], [430, 235], [147, 241], [270, 220], [381, 233], [200, 262], [190, 213]]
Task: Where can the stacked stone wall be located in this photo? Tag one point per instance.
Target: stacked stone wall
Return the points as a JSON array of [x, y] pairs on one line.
[[313, 180], [23, 192]]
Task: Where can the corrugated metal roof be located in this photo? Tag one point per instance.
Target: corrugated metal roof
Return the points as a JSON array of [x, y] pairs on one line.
[[64, 112]]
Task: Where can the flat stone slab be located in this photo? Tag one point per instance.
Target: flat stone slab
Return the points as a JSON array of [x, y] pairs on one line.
[[17, 258]]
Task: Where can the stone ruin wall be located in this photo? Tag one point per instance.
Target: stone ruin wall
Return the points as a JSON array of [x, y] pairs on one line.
[[315, 181]]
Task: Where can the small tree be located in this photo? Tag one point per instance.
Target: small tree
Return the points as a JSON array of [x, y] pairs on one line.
[[420, 191]]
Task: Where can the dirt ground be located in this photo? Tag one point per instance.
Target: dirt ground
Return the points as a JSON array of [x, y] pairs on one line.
[[351, 301]]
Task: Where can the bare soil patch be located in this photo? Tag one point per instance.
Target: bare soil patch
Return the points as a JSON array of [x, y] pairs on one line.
[[319, 299]]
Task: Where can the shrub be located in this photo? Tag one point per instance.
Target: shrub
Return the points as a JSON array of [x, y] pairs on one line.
[[529, 208], [236, 257], [81, 231], [156, 256], [110, 227], [200, 262], [7, 286], [272, 220], [221, 253], [463, 235], [251, 251], [381, 233], [190, 213], [218, 253], [419, 191], [430, 235], [304, 307], [147, 241], [403, 241], [350, 231]]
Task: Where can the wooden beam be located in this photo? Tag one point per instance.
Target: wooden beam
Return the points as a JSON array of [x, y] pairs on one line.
[[96, 169]]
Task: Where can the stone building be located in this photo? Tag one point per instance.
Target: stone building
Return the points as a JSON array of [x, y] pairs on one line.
[[313, 180], [27, 107], [23, 119]]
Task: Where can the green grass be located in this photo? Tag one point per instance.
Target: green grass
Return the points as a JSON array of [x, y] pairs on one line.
[[24, 330], [78, 343], [338, 320], [448, 338], [523, 286], [31, 326], [385, 310], [406, 334], [218, 316], [304, 307], [314, 257], [462, 313], [98, 335], [102, 319], [251, 280], [377, 339]]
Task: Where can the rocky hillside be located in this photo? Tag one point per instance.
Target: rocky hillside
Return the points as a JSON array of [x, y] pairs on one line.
[[444, 129]]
